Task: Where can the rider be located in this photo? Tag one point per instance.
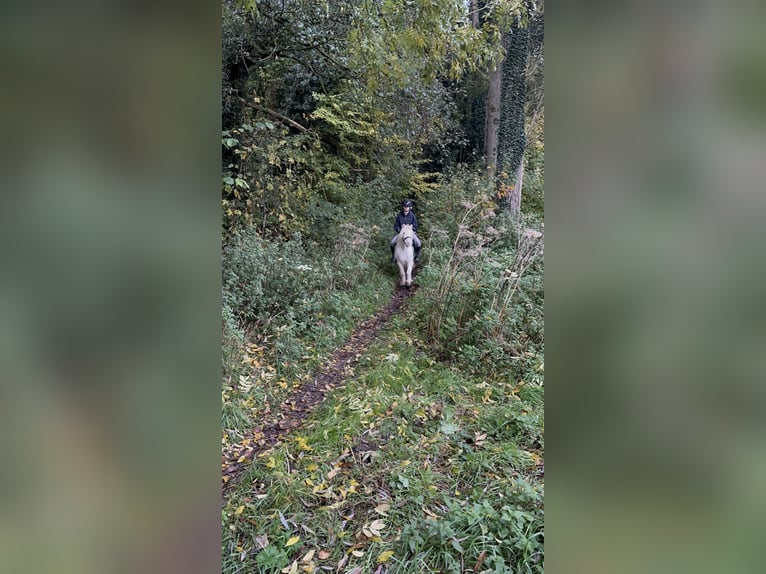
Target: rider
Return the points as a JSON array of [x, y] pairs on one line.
[[406, 216]]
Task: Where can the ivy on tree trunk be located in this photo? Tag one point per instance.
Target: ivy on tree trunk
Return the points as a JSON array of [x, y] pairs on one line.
[[512, 139], [492, 118]]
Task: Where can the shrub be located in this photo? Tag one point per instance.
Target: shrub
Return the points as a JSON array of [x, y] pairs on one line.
[[262, 278], [483, 289], [293, 293]]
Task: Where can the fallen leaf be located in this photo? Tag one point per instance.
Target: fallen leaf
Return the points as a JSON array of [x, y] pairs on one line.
[[383, 508], [283, 521], [384, 556], [357, 553], [309, 556], [261, 542], [377, 525], [324, 554], [293, 540], [292, 569], [480, 560], [239, 510], [302, 443], [333, 506]]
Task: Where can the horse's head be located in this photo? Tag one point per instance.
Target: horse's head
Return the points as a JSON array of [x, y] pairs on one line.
[[406, 234]]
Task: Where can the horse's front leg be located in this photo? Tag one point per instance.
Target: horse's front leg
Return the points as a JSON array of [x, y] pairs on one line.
[[409, 273], [402, 275]]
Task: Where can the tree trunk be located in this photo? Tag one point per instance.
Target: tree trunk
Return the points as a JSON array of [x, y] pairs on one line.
[[512, 133], [474, 11], [514, 198], [492, 116]]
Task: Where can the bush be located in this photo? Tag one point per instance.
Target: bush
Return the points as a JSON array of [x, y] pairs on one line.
[[296, 295], [262, 278], [482, 306]]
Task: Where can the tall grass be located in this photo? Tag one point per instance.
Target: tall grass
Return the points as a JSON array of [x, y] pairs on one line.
[[482, 295]]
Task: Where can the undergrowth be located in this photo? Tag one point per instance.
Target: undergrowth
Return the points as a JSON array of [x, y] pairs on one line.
[[286, 305], [482, 298], [430, 457]]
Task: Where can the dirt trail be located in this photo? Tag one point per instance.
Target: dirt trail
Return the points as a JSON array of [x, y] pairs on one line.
[[295, 408]]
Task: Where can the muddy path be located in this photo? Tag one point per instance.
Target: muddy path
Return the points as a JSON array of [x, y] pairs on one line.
[[300, 404]]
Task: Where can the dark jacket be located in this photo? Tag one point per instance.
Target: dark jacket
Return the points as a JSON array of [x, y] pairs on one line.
[[408, 219]]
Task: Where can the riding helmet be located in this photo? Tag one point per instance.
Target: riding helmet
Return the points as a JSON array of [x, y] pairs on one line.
[[406, 203]]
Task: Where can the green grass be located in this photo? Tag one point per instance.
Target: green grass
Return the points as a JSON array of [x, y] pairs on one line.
[[444, 463], [269, 369], [429, 458]]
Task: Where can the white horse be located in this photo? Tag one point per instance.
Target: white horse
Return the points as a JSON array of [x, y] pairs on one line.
[[404, 255]]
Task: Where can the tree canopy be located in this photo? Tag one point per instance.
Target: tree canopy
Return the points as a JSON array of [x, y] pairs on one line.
[[319, 97]]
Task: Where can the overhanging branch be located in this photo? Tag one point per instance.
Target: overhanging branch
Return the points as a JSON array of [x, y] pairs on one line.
[[285, 119]]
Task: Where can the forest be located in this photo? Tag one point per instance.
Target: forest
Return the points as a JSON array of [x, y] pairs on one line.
[[369, 428]]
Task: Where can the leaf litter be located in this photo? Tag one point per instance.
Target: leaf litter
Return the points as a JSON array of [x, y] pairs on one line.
[[301, 402]]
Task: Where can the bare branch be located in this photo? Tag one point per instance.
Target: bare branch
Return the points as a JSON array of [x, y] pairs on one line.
[[279, 116]]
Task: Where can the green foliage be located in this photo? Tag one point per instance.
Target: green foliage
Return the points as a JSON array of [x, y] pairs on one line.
[[271, 178], [348, 122], [331, 132], [262, 278], [272, 559], [232, 338], [428, 457], [320, 97], [295, 294], [350, 130], [482, 290], [533, 197], [282, 52], [509, 538], [404, 43]]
